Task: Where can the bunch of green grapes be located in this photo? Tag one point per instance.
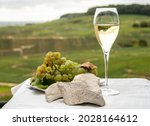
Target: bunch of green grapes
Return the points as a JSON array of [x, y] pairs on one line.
[[57, 68]]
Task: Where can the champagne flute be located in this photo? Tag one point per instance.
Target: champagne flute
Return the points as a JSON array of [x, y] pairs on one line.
[[106, 26]]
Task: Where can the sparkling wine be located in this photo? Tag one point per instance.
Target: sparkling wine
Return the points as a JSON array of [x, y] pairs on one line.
[[106, 35], [106, 25]]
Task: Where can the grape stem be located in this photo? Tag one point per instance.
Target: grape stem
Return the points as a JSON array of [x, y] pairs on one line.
[[55, 68]]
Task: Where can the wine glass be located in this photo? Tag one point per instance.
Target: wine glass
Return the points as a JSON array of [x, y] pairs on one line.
[[106, 26]]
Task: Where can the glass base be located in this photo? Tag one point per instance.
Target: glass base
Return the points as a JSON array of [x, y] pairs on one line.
[[109, 92]]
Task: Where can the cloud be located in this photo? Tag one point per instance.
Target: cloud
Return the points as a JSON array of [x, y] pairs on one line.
[[60, 3], [44, 10], [32, 3]]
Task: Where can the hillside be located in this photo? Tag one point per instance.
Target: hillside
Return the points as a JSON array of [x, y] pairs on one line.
[[79, 27], [71, 35]]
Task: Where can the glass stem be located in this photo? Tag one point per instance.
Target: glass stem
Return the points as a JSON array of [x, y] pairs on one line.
[[106, 59]]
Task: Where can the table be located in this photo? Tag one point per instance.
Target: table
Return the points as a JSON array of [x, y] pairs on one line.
[[134, 94]]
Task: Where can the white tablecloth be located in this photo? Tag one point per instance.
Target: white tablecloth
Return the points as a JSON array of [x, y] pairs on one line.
[[134, 94]]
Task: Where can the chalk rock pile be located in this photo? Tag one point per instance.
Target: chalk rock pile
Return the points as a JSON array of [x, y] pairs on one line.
[[85, 88]]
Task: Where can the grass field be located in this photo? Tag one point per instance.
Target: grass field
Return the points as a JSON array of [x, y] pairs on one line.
[[124, 62], [5, 93]]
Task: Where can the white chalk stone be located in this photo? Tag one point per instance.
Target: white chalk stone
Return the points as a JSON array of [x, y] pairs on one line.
[[84, 88], [53, 92]]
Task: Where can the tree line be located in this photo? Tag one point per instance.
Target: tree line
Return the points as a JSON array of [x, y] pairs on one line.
[[127, 9], [122, 9]]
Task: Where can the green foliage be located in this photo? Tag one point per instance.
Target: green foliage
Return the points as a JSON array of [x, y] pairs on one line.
[[126, 9], [141, 24], [143, 43], [145, 24], [5, 93], [72, 15]]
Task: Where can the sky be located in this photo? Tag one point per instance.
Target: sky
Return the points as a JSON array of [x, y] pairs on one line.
[[46, 10]]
